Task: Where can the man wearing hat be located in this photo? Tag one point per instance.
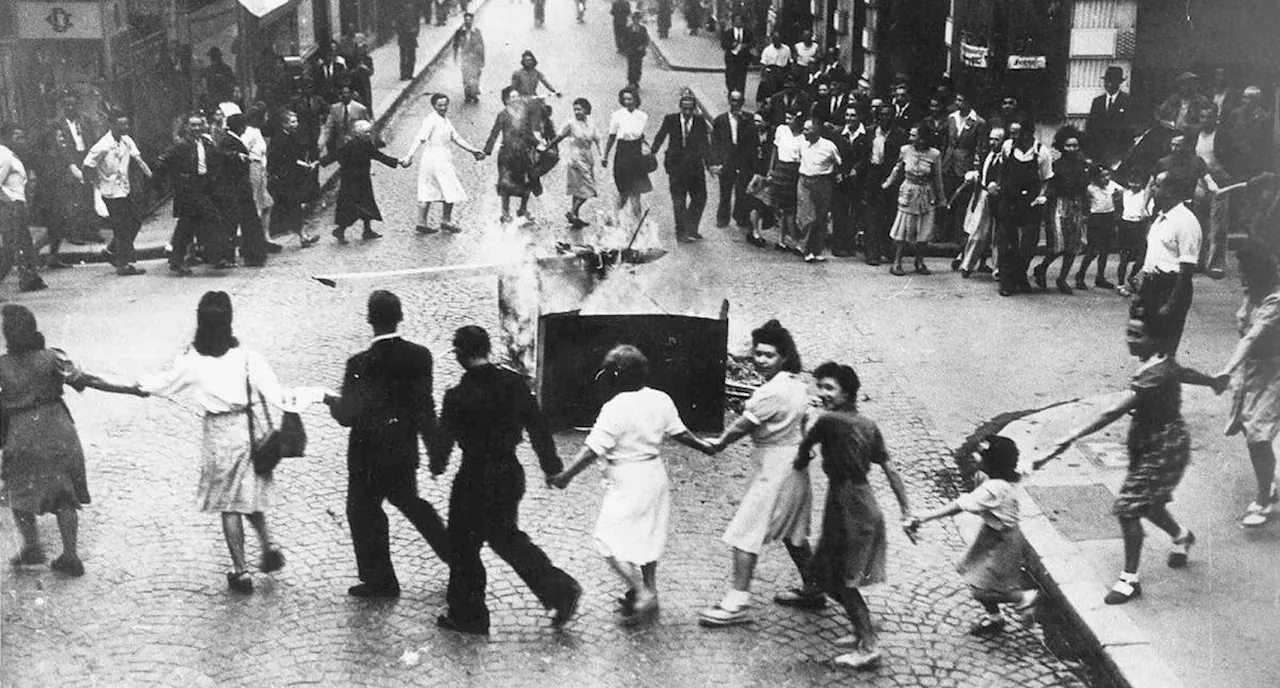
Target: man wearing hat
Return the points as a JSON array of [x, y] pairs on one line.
[[1182, 110], [1107, 128]]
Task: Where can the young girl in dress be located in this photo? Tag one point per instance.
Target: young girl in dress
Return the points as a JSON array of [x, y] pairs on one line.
[[851, 553], [632, 529], [1159, 447], [992, 566]]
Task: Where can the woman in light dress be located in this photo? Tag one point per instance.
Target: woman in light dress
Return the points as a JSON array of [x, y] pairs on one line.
[[777, 505], [437, 179], [221, 374], [634, 514], [257, 145], [579, 173], [920, 169]]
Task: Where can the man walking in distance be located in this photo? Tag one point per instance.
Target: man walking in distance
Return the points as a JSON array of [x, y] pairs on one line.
[[686, 156], [407, 38], [343, 115], [468, 52], [621, 12], [486, 414], [194, 164], [736, 41], [635, 44], [388, 404], [107, 165], [235, 195], [733, 152]]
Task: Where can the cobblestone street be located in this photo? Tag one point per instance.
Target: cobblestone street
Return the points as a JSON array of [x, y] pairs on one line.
[[153, 608]]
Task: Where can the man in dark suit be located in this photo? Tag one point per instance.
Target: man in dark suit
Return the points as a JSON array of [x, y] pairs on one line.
[[847, 211], [905, 113], [887, 140], [328, 72], [621, 12], [733, 152], [388, 404], [235, 194], [736, 41], [686, 156], [193, 165], [791, 98], [486, 414], [77, 137], [1107, 128], [407, 19]]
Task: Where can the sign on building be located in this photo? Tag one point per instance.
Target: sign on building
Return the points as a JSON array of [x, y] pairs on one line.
[[1028, 62], [59, 20], [976, 56]]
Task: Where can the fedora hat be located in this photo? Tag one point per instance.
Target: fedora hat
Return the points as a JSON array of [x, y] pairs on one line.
[[1114, 74]]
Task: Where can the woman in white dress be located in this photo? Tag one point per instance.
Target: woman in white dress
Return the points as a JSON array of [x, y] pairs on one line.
[[437, 179], [777, 504], [257, 146], [221, 373], [635, 511]]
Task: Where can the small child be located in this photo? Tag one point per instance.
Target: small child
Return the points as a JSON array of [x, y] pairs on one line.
[[1131, 240], [992, 566], [1104, 195]]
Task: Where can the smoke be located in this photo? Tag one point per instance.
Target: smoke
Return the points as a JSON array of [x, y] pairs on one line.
[[665, 286]]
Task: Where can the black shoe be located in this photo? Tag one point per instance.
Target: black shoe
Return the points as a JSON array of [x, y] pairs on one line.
[[33, 283], [1080, 285], [1040, 277], [181, 270], [340, 235], [1063, 287], [955, 264], [224, 265], [567, 608], [1007, 292], [272, 559], [985, 269], [1103, 284], [71, 566], [130, 271], [370, 235], [449, 623], [56, 263], [273, 247], [240, 582], [29, 556], [365, 590]]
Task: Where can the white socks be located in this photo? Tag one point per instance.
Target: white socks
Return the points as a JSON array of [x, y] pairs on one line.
[[735, 600], [1128, 577]]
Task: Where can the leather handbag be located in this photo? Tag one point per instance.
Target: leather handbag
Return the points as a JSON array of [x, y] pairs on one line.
[[287, 441], [648, 161]]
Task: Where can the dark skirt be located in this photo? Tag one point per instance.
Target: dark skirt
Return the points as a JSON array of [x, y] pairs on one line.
[[43, 468], [780, 190], [853, 549], [1158, 458], [356, 202], [628, 172], [994, 560], [515, 172]]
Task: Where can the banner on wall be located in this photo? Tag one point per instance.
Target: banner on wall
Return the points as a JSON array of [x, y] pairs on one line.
[[976, 56], [1028, 62]]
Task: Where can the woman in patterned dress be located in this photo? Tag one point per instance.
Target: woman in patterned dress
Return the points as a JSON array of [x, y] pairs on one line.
[[1069, 199], [580, 169], [920, 168], [852, 551], [777, 504], [43, 470], [1159, 447], [437, 179], [221, 374], [1255, 370]]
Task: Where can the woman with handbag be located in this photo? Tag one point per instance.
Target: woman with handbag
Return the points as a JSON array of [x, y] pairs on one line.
[[224, 377], [634, 162], [43, 470]]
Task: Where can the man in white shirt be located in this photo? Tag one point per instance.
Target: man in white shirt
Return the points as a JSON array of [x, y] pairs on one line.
[[1173, 254], [774, 61], [14, 220], [819, 162], [107, 163]]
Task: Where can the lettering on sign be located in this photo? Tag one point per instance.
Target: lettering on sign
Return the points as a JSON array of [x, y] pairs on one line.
[[975, 56], [1028, 62]]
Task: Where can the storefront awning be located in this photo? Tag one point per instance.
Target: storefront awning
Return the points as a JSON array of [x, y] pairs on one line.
[[261, 8]]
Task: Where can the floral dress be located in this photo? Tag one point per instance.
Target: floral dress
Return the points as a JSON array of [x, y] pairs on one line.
[[1158, 442], [1255, 406], [919, 194], [579, 174], [43, 469], [1070, 189]]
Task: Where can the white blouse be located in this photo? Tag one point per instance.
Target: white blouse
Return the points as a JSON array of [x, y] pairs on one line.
[[632, 425], [787, 144], [628, 125], [257, 145], [218, 383]]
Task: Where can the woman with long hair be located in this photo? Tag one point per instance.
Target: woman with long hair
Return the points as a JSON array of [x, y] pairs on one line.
[[634, 514], [225, 379], [920, 169], [1069, 207], [257, 145], [579, 172], [1254, 368], [43, 470], [437, 178], [777, 504], [626, 131]]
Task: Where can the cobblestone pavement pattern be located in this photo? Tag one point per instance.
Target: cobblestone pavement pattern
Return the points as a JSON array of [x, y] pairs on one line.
[[154, 609]]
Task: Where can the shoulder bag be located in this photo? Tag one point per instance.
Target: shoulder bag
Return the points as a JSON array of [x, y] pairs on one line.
[[288, 440]]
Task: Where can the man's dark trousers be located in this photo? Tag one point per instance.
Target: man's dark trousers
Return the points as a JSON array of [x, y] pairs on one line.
[[735, 73], [1019, 236], [204, 226], [881, 205], [398, 485], [688, 199], [733, 194], [408, 57], [484, 508], [122, 217], [847, 216]]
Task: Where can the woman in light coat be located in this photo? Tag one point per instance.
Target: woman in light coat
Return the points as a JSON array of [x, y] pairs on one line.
[[437, 179]]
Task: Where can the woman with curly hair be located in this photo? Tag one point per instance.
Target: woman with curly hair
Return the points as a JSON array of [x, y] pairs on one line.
[[626, 131], [579, 171], [43, 470], [777, 504], [920, 169], [1068, 194]]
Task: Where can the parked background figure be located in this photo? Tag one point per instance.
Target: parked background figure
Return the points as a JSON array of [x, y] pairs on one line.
[[1024, 177], [1108, 128], [255, 123], [784, 179], [356, 200], [580, 167], [635, 45], [848, 212], [982, 213], [526, 79], [468, 52], [15, 228], [626, 131], [1105, 196], [437, 179], [226, 380], [1254, 369], [339, 124], [219, 79], [289, 169], [886, 145], [77, 136], [1172, 258], [387, 401], [920, 168], [43, 470], [57, 191], [819, 164]]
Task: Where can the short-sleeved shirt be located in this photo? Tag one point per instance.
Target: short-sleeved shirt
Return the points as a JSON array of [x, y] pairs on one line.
[[787, 144], [628, 125], [1173, 240], [819, 158], [33, 378], [1137, 205], [111, 157], [13, 175], [805, 55], [1102, 199], [996, 501], [632, 425], [779, 56], [778, 410], [850, 444]]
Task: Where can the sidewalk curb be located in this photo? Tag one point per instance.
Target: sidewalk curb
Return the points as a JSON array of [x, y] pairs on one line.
[[1124, 650], [156, 252]]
